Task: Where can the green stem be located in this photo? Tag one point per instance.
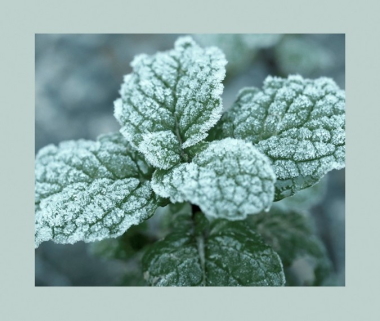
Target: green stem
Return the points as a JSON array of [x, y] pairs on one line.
[[200, 240]]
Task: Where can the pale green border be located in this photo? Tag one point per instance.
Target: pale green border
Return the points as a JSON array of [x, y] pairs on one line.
[[20, 300]]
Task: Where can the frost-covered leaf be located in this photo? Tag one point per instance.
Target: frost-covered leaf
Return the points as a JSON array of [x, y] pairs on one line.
[[298, 123], [222, 253], [228, 179], [197, 148], [171, 100], [291, 235], [88, 191], [161, 149]]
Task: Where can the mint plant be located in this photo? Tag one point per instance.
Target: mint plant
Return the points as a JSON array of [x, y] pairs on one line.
[[226, 180]]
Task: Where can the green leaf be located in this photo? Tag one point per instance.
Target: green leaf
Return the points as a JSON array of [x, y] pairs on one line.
[[222, 253], [88, 191], [161, 149], [298, 123], [304, 199], [292, 236], [171, 100], [228, 179]]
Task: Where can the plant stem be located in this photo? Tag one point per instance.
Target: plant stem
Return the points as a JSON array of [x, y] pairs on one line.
[[200, 240], [194, 209]]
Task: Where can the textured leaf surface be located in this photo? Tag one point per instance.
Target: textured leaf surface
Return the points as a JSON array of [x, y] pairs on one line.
[[298, 123], [223, 254], [291, 235], [88, 191], [229, 179], [174, 97], [161, 149]]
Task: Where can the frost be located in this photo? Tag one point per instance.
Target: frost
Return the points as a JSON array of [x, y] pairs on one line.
[[88, 191], [230, 255], [229, 179], [168, 184], [177, 91], [298, 123], [161, 149]]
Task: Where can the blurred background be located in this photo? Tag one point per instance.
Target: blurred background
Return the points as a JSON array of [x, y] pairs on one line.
[[77, 78]]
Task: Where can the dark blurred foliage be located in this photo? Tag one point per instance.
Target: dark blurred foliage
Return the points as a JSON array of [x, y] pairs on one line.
[[77, 78]]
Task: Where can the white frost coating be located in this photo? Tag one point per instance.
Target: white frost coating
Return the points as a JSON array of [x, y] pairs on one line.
[[229, 179], [166, 183], [88, 191], [178, 91], [298, 123], [161, 149]]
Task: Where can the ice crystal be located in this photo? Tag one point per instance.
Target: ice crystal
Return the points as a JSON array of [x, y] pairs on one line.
[[298, 123], [88, 191], [161, 149], [231, 255], [229, 179], [177, 91]]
